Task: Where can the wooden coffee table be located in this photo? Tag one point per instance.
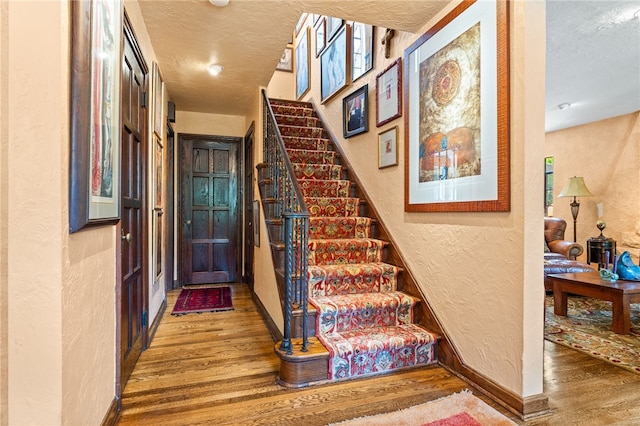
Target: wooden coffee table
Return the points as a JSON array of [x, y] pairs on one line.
[[620, 293]]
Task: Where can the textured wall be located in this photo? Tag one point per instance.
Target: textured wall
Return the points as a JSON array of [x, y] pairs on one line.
[[209, 124], [607, 155], [4, 213], [470, 265]]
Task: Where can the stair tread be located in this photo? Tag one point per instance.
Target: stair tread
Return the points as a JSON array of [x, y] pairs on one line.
[[376, 350], [352, 278], [344, 313], [343, 240]]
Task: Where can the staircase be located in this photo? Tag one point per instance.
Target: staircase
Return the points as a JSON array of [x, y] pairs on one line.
[[363, 324]]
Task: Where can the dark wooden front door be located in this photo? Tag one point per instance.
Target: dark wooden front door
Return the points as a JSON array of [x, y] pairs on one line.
[[133, 226], [209, 209]]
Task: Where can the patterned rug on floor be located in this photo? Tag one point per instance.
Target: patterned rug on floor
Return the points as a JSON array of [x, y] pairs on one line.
[[587, 328], [203, 299], [459, 409]]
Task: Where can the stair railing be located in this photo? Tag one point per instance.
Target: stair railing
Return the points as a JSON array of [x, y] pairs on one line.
[[291, 209]]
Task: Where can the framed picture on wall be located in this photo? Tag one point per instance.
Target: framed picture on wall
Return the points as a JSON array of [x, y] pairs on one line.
[[388, 148], [300, 23], [355, 112], [159, 172], [157, 100], [457, 133], [286, 60], [362, 36], [94, 175], [158, 243], [389, 93], [256, 223], [321, 40], [302, 64], [334, 65], [333, 26]]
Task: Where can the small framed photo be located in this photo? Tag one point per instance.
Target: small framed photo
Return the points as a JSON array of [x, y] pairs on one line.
[[321, 40], [389, 93], [286, 60], [334, 62], [302, 64], [388, 148], [333, 26], [355, 112], [361, 49]]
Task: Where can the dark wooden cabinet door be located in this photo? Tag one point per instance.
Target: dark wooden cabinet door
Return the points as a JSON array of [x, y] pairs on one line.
[[209, 194], [133, 247]]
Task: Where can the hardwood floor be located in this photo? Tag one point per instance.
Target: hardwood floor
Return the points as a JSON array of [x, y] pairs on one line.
[[220, 369]]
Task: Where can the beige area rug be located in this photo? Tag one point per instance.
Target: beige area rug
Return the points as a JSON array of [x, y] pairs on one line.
[[459, 409]]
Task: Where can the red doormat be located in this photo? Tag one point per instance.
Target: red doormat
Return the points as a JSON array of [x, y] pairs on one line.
[[212, 299]]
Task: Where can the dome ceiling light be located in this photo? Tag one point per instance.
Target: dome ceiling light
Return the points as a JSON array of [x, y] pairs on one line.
[[219, 3], [215, 69]]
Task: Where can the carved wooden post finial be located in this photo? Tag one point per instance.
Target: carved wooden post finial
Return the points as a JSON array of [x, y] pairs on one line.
[[386, 41]]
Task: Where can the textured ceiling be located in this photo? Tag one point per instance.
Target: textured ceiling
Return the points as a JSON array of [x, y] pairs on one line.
[[247, 37], [593, 49], [593, 61]]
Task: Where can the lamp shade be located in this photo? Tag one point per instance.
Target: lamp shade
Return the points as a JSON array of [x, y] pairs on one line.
[[575, 188]]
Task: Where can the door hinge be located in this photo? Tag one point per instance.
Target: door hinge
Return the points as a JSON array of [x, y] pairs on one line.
[[144, 318], [144, 100]]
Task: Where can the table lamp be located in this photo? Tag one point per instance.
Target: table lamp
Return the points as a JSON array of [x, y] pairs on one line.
[[575, 188]]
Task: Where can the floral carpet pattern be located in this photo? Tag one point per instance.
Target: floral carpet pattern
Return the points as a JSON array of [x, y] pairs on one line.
[[587, 328], [363, 321]]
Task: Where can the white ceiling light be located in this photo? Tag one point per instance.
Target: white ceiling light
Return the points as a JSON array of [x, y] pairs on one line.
[[219, 3], [215, 69]]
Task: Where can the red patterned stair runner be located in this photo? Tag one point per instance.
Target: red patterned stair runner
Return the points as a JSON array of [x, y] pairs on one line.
[[365, 323]]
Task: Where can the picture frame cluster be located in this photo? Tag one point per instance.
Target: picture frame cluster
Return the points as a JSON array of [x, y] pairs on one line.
[[456, 109]]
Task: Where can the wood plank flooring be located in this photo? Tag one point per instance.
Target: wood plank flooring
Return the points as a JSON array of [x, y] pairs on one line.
[[220, 369]]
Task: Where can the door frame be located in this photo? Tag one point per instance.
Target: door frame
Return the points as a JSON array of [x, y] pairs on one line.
[[182, 137], [169, 221], [128, 32], [248, 198]]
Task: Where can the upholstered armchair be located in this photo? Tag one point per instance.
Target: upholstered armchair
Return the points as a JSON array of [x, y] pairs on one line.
[[559, 254], [554, 228]]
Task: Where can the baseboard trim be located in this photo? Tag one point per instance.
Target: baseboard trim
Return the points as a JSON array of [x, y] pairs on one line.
[[111, 417], [275, 332], [525, 408]]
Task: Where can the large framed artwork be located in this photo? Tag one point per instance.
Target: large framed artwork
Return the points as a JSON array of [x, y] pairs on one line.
[[362, 36], [159, 175], [157, 100], [302, 64], [457, 113], [94, 177], [389, 93], [334, 65], [355, 112]]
